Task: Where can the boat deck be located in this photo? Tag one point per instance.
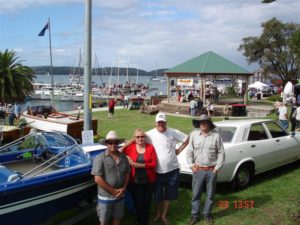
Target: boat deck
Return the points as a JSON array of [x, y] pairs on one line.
[[27, 165]]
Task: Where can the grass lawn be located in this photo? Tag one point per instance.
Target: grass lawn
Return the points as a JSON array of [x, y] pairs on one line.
[[272, 199]]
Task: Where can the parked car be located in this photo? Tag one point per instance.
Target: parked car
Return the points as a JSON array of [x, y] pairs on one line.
[[251, 147]]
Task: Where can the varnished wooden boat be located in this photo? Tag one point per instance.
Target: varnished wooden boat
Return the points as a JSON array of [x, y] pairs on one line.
[[46, 118], [11, 133]]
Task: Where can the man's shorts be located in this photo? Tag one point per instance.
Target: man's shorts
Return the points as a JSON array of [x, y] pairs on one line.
[[106, 211], [167, 185]]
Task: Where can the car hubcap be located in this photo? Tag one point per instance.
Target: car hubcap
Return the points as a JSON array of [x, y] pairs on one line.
[[243, 177]]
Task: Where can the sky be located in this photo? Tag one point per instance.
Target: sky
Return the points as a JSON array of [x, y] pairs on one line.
[[145, 34]]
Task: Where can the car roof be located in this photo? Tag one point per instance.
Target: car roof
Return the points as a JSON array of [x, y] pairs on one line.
[[240, 122]]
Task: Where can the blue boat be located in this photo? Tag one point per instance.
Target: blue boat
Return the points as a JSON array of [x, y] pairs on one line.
[[42, 174]]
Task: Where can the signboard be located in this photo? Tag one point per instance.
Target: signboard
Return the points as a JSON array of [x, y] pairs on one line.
[[185, 82], [87, 137], [223, 82]]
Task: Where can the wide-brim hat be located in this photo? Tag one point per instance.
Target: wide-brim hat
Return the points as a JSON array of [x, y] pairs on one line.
[[202, 118], [111, 136]]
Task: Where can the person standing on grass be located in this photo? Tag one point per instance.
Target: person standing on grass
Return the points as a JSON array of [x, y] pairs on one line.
[[142, 158], [205, 155], [111, 107], [283, 116], [164, 140], [193, 105], [111, 172]]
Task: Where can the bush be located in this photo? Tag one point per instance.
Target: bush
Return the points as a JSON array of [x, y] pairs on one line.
[[275, 98]]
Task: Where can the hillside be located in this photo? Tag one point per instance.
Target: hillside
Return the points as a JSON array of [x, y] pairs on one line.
[[66, 70]]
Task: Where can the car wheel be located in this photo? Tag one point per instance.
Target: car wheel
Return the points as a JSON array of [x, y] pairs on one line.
[[242, 177]]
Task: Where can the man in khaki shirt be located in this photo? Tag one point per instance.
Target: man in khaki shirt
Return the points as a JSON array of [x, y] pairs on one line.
[[205, 155]]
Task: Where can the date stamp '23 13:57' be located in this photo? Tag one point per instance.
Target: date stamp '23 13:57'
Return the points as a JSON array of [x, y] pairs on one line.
[[236, 204]]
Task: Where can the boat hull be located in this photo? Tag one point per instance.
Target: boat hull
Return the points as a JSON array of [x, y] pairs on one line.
[[37, 200], [59, 122]]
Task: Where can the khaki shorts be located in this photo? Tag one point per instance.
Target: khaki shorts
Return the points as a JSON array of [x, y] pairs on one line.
[[106, 211]]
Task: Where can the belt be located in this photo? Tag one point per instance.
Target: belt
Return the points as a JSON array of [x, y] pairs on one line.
[[206, 168]]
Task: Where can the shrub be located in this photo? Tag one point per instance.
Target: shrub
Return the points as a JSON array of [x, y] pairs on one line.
[[275, 98]]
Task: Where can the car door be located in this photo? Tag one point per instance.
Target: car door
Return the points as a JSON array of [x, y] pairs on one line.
[[260, 147], [287, 146]]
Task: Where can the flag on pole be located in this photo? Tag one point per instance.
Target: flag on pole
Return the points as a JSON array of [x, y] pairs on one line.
[[42, 33]]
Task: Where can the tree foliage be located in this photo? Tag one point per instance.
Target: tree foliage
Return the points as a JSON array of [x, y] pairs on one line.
[[296, 45], [15, 79], [274, 50]]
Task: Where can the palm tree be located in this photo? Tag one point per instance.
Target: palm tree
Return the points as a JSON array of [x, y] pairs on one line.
[[15, 79]]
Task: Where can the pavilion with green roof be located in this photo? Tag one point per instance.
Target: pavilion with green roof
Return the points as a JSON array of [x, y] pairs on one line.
[[208, 66]]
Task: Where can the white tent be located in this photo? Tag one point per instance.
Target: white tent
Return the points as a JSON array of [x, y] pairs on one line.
[[258, 85]]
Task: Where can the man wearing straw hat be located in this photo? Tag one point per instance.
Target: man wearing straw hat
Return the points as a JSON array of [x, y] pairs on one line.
[[111, 172], [205, 155]]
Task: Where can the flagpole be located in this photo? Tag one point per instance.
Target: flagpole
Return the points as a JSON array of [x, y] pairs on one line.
[[87, 67], [51, 67]]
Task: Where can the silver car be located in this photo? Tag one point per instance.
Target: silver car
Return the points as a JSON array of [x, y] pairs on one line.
[[251, 147]]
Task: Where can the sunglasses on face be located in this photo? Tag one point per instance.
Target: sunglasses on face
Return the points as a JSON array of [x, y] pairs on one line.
[[112, 142]]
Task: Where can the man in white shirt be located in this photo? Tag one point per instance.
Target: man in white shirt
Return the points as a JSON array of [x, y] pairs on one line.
[[283, 116], [164, 140]]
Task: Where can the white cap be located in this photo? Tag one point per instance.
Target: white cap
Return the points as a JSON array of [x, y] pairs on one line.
[[161, 117]]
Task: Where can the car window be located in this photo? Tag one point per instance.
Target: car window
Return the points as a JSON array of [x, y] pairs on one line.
[[276, 130], [257, 132], [226, 133]]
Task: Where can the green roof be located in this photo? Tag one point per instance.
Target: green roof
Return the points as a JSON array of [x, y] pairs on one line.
[[208, 63]]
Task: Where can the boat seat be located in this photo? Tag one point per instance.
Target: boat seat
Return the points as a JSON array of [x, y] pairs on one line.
[[7, 175], [13, 177]]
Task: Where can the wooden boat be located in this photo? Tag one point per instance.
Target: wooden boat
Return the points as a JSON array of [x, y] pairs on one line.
[[46, 118], [42, 174], [149, 109], [11, 133]]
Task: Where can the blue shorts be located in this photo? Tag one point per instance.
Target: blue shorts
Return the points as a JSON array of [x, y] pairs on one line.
[[167, 185]]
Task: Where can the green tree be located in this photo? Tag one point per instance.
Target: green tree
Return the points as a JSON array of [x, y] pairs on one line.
[[273, 50], [15, 79], [296, 45]]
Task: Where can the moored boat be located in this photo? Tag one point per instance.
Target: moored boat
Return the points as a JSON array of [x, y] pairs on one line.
[[11, 133], [46, 118], [42, 174]]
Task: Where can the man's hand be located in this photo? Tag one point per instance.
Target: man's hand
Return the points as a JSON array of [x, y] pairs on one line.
[[120, 193]]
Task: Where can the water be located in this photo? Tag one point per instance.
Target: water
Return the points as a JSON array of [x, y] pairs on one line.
[[70, 105]]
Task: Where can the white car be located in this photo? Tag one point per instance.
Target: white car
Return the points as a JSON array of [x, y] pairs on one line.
[[251, 147]]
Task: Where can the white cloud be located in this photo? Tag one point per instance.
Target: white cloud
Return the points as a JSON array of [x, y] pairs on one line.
[[158, 33]]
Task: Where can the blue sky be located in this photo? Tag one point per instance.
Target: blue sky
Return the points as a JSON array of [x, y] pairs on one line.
[[149, 34]]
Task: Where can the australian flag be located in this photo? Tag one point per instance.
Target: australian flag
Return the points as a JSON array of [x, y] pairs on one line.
[[42, 33]]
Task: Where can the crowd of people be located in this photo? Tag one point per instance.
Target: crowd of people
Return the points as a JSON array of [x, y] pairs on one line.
[[293, 118], [146, 167], [12, 112]]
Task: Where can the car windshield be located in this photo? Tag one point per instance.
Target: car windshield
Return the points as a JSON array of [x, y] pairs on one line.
[[226, 133]]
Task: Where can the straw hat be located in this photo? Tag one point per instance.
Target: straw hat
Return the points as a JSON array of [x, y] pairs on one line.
[[111, 136]]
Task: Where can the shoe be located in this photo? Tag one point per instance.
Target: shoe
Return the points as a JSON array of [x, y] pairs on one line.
[[193, 220], [208, 220]]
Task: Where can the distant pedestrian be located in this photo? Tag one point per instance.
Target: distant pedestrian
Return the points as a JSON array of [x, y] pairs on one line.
[[193, 106], [11, 114], [283, 116], [296, 117], [226, 112], [17, 110], [293, 117], [111, 107], [111, 172], [2, 115]]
